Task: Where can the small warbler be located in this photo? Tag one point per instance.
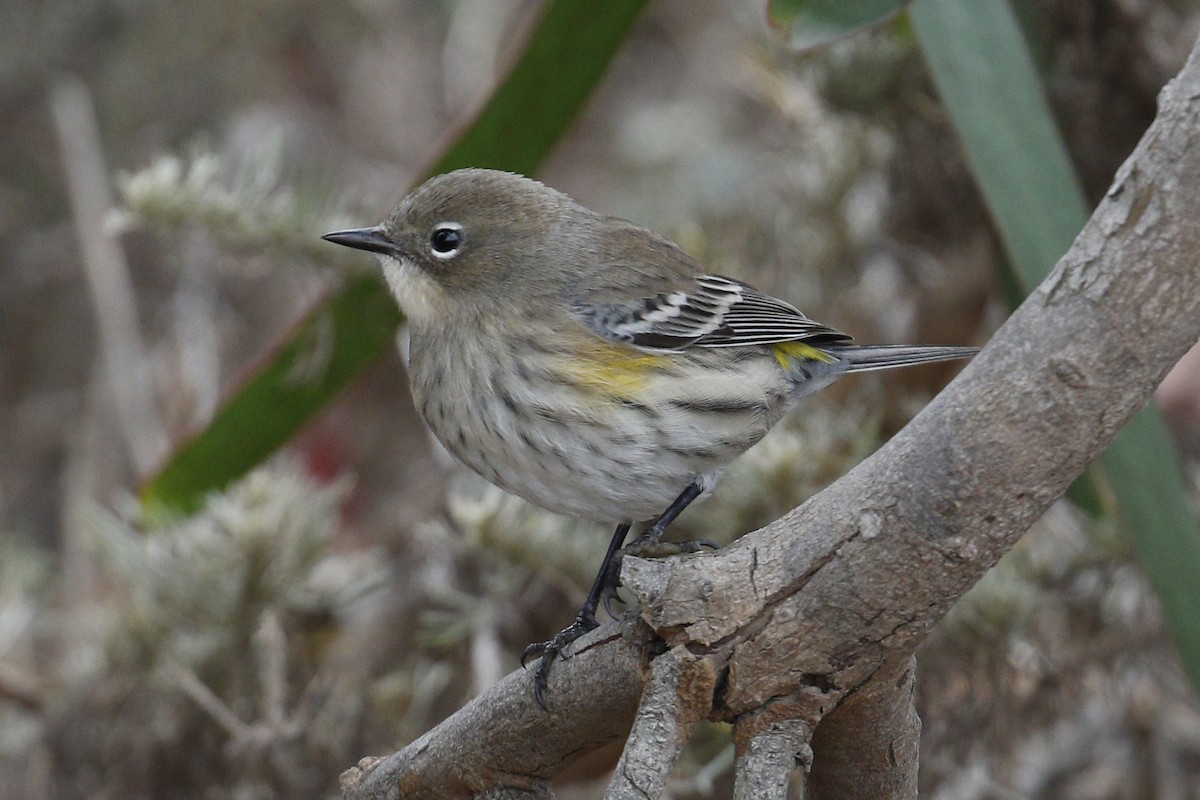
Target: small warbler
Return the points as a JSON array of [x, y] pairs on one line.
[[587, 364]]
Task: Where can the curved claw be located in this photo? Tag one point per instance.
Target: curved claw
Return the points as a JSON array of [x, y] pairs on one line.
[[534, 649], [550, 650], [541, 681], [611, 580], [608, 597]]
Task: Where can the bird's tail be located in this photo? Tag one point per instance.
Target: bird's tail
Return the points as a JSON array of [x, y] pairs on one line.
[[863, 358]]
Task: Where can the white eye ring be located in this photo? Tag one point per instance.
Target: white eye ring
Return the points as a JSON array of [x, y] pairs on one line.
[[447, 240]]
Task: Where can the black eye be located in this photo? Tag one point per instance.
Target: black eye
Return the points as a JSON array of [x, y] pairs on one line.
[[446, 240]]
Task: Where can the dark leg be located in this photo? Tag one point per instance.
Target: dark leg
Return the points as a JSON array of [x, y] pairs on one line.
[[585, 620], [605, 585], [648, 540], [647, 545]]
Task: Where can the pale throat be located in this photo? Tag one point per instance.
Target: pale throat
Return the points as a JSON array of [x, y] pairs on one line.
[[418, 295]]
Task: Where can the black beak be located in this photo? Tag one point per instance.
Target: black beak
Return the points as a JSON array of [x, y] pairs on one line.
[[373, 240]]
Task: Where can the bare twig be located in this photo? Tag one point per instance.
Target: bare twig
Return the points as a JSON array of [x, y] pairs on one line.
[[541, 791], [210, 703], [107, 274], [491, 741], [21, 687]]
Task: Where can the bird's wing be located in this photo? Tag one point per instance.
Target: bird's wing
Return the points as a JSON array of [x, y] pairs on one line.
[[650, 294]]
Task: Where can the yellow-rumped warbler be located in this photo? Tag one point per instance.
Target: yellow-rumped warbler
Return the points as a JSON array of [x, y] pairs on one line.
[[590, 365]]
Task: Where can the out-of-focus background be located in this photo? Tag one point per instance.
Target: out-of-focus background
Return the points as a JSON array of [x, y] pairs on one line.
[[165, 173]]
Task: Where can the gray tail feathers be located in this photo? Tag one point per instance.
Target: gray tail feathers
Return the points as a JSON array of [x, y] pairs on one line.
[[863, 358]]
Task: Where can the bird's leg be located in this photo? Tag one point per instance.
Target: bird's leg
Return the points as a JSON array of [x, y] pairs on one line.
[[585, 620], [605, 585], [648, 545]]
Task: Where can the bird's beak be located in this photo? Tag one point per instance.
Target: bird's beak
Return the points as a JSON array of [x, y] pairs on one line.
[[373, 240]]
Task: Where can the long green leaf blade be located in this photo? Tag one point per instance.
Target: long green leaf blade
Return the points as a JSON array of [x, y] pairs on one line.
[[1150, 488], [991, 88], [567, 52], [988, 82], [527, 113]]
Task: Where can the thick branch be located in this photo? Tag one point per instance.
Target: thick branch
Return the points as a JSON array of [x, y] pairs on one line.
[[502, 739], [810, 607], [867, 747]]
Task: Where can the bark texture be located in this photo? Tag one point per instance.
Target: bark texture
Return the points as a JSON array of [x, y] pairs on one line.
[[868, 745]]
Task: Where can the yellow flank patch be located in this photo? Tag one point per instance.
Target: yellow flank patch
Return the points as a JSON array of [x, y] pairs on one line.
[[787, 352], [614, 369]]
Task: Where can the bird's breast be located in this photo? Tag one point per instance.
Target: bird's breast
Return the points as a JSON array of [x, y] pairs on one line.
[[589, 428]]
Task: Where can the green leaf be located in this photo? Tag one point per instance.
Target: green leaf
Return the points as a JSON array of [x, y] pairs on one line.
[[1151, 492], [529, 112], [991, 89], [566, 54], [989, 84], [811, 23]]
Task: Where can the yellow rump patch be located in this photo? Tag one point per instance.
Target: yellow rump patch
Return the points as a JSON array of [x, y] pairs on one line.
[[787, 352]]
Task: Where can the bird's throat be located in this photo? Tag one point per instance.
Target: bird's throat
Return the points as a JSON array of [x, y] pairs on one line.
[[417, 293]]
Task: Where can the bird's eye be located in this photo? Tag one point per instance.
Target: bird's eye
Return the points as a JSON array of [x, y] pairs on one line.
[[446, 240]]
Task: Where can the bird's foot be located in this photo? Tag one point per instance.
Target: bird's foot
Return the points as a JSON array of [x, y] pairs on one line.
[[655, 549], [605, 589], [647, 549], [549, 650], [610, 581]]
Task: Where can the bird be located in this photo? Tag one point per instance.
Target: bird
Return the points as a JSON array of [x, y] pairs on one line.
[[590, 365]]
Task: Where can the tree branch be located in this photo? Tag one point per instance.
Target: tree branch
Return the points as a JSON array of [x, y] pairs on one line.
[[678, 696], [868, 745], [766, 757], [502, 739], [798, 616]]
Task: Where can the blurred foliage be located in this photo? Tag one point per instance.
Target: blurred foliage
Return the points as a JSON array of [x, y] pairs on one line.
[[256, 208], [984, 73], [811, 23], [330, 345], [214, 662]]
